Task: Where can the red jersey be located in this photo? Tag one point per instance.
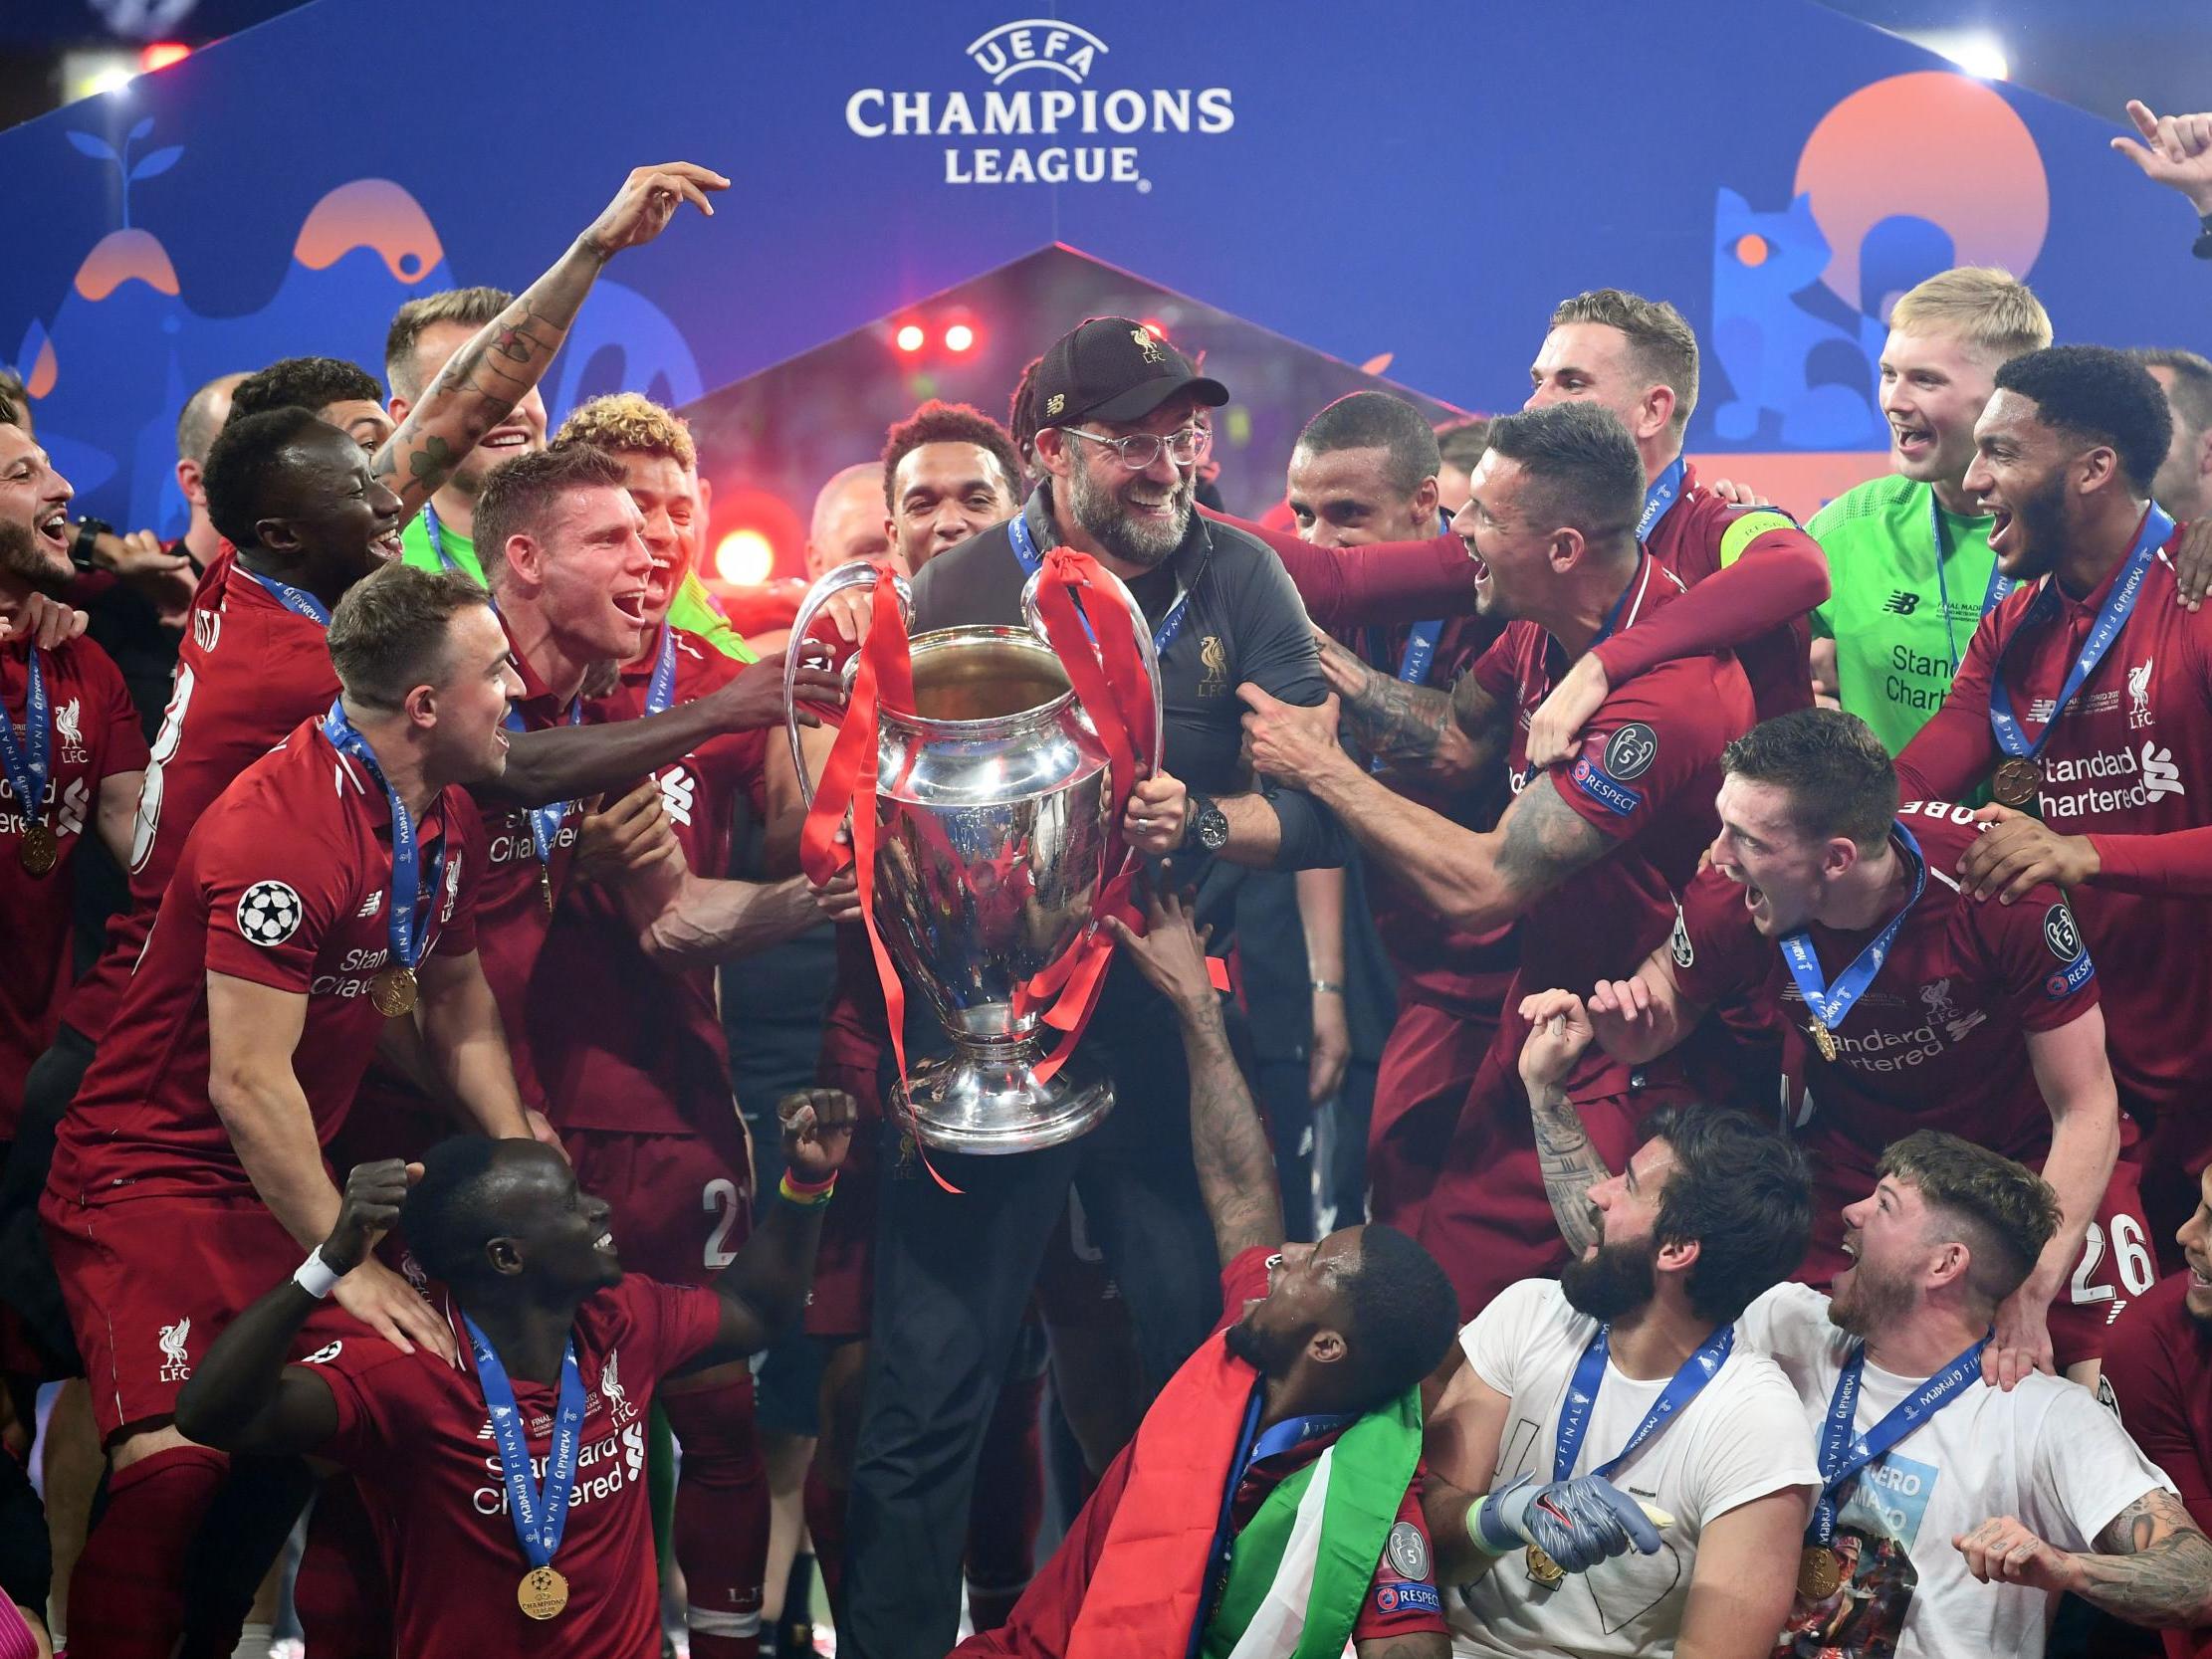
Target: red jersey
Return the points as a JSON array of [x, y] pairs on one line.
[[2156, 1366], [284, 881], [1442, 967], [2129, 758], [1645, 776], [415, 1433], [92, 735], [246, 672], [1400, 1600], [1936, 1040], [1701, 534], [618, 1043]]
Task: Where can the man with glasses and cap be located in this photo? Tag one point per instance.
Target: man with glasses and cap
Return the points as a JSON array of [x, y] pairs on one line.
[[1121, 435]]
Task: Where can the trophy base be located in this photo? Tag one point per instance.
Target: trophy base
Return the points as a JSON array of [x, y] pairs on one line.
[[985, 1101]]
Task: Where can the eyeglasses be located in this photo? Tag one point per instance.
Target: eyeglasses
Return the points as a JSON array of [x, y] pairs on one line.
[[1141, 449]]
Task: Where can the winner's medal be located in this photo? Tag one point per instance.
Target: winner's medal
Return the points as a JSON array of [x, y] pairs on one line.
[[1825, 1040], [392, 991], [1830, 1004], [1543, 1571], [2016, 781], [543, 1594], [1818, 1572], [28, 763], [545, 821]]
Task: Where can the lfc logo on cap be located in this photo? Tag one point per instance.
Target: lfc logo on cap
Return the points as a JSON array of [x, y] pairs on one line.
[[1150, 345]]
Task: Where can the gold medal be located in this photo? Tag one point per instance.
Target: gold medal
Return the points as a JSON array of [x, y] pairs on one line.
[[1825, 1040], [1544, 1570], [41, 849], [1818, 1572], [392, 993], [545, 885], [543, 1594], [2016, 781]]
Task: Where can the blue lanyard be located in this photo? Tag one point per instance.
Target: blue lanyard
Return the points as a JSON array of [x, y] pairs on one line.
[[1843, 1454], [407, 946], [660, 690], [436, 532], [1027, 554], [545, 821], [2119, 604], [28, 761], [1831, 1004], [540, 1511], [1659, 498], [1999, 586], [1582, 1397], [296, 599], [1420, 643]]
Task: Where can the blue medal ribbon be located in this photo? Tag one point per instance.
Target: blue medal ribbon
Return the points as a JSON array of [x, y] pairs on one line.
[[29, 760], [1659, 495], [1582, 1399], [540, 1511], [1842, 1453], [1999, 586], [2118, 605], [1830, 1004], [436, 534], [294, 599], [408, 945], [1032, 562], [1420, 642], [660, 690], [545, 821]]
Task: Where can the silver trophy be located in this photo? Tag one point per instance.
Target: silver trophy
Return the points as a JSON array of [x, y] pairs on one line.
[[997, 830]]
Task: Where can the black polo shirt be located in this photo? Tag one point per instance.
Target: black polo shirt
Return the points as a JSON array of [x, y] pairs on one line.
[[1245, 622]]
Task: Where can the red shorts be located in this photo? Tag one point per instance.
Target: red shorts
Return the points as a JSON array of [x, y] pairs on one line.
[[1487, 1220], [2116, 1264], [682, 1203], [150, 1283], [1421, 1083], [843, 1295]]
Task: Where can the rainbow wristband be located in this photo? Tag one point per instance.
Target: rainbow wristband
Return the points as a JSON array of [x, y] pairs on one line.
[[806, 1194]]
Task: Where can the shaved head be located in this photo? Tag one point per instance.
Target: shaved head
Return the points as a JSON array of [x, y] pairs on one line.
[[848, 521]]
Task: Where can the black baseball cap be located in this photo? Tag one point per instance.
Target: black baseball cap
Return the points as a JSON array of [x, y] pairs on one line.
[[1114, 369]]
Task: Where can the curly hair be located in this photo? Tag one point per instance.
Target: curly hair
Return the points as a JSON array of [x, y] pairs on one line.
[[629, 423]]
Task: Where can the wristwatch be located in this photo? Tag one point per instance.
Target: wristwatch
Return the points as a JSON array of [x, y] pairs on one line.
[[1205, 826], [80, 550]]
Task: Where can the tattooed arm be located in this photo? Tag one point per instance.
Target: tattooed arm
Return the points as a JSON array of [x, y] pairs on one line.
[[1417, 1644], [487, 377], [2151, 1566], [1560, 1032], [1422, 736], [1229, 1145]]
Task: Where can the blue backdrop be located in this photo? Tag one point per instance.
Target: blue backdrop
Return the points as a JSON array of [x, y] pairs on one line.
[[1421, 179]]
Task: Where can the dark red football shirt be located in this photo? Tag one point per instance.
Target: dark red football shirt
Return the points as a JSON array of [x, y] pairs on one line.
[[248, 671], [618, 1043], [1645, 778], [2129, 762], [415, 1433], [2157, 1365], [1397, 1604], [283, 881], [1936, 1040], [92, 734]]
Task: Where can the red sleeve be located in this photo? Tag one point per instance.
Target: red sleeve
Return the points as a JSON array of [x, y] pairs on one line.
[[1399, 1601], [672, 1323], [2152, 1389], [1950, 757], [123, 740], [1719, 957], [2036, 952], [1778, 576], [270, 898], [1650, 740], [1386, 582], [364, 1377], [2178, 863], [1243, 1280], [457, 911], [1497, 675]]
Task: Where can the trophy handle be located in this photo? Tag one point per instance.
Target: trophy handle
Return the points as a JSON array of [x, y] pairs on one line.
[[857, 574], [1145, 649]]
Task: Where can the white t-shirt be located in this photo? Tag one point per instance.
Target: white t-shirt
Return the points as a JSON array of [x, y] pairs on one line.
[[2048, 1453], [1742, 1437]]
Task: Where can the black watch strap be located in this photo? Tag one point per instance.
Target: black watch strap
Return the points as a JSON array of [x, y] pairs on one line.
[[80, 550], [2203, 245]]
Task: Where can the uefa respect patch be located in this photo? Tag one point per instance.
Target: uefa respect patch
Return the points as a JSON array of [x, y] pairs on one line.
[[1407, 1598], [1604, 788]]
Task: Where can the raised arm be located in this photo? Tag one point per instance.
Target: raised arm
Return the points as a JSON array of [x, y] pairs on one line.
[[1559, 1032], [1229, 1145], [2151, 1566], [1380, 584], [494, 371]]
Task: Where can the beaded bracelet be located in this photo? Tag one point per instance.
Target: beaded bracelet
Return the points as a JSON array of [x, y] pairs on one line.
[[806, 1194]]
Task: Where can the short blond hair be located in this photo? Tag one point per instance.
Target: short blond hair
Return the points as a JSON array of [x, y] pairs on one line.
[[628, 423], [1988, 309], [472, 307], [1659, 339]]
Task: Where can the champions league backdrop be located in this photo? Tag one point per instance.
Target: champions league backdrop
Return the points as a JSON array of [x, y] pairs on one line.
[[1401, 191]]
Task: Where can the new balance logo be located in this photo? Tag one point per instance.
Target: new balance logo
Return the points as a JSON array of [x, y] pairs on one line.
[[1901, 604]]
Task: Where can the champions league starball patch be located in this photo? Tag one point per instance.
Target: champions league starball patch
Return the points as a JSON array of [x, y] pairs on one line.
[[269, 914], [1630, 751], [2065, 941], [1407, 1550]]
